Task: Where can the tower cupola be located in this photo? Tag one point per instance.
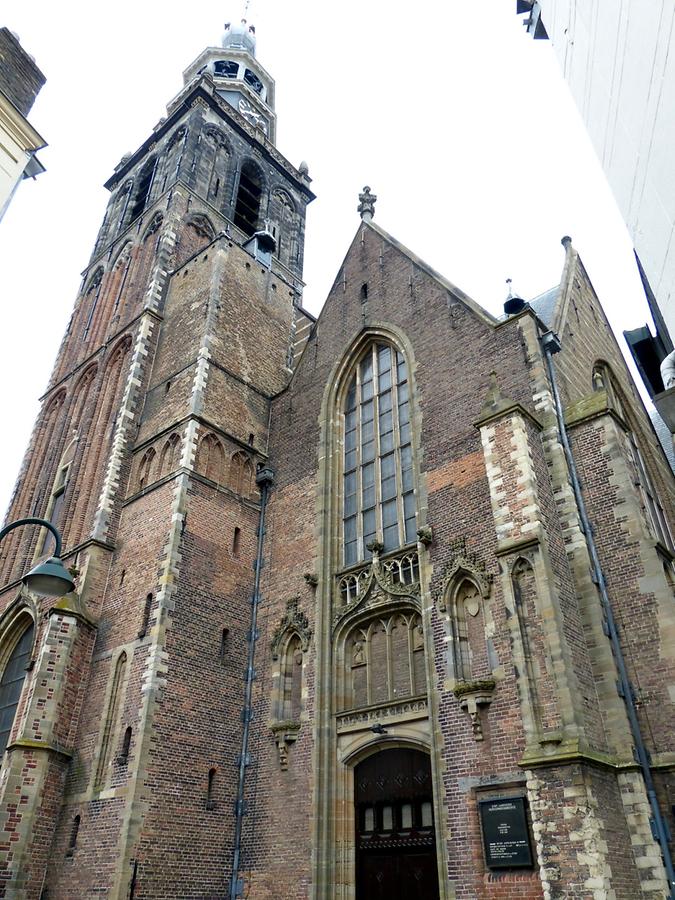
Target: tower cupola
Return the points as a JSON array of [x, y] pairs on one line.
[[239, 37], [239, 78]]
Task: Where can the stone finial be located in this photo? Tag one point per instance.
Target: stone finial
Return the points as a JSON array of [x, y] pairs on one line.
[[366, 208], [566, 241]]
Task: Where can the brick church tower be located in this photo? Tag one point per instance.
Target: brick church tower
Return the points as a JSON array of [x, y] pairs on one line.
[[373, 606], [145, 454]]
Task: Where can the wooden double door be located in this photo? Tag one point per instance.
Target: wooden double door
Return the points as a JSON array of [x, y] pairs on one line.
[[395, 833]]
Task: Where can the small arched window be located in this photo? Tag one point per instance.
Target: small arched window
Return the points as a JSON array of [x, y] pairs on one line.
[[249, 196], [378, 492], [11, 683]]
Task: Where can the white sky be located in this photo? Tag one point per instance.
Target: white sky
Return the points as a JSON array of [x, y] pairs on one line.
[[462, 125]]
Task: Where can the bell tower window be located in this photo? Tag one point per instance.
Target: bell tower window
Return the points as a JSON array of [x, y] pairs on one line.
[[247, 208], [226, 68], [378, 490], [143, 188], [253, 81]]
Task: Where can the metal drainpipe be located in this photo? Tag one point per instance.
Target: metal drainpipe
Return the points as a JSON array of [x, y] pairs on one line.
[[551, 345], [264, 478]]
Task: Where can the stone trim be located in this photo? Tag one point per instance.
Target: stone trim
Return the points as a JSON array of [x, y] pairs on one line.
[[570, 752], [518, 545], [44, 746], [508, 409]]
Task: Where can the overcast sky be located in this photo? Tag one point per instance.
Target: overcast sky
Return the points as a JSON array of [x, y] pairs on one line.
[[462, 125]]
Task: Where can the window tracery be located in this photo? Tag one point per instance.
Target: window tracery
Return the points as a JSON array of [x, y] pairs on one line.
[[384, 660], [378, 503]]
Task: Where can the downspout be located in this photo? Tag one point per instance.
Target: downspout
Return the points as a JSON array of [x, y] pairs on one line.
[[265, 479], [551, 345]]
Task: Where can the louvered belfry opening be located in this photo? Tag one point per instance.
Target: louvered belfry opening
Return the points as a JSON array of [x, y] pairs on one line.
[[247, 208]]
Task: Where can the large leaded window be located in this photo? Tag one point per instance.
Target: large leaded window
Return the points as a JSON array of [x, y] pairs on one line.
[[378, 494], [11, 684]]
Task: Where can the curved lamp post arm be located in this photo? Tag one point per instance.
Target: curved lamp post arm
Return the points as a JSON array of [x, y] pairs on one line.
[[33, 521], [49, 578]]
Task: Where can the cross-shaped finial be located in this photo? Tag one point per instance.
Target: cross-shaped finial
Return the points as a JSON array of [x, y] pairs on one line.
[[366, 206]]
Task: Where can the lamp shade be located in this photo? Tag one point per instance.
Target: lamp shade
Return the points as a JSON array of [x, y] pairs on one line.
[[50, 578]]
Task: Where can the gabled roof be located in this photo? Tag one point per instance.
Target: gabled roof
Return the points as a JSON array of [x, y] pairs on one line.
[[442, 281], [545, 304]]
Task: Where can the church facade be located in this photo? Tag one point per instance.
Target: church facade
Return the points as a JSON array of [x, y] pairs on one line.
[[379, 605]]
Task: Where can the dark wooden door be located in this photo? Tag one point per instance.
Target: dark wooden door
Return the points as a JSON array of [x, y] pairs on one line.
[[395, 835]]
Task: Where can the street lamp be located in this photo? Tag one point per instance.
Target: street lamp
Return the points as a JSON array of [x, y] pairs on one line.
[[49, 578]]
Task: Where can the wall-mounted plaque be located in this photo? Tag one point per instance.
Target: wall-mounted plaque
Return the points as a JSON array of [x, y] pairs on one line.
[[506, 837]]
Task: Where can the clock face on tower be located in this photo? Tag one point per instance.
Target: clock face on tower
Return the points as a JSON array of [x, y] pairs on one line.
[[252, 115]]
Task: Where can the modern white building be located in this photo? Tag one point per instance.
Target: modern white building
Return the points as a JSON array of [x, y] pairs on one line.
[[20, 83], [619, 62]]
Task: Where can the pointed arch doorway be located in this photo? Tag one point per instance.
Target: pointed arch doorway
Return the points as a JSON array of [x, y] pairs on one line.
[[395, 833]]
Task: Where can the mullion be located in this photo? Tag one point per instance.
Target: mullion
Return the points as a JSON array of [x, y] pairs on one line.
[[379, 477], [373, 509]]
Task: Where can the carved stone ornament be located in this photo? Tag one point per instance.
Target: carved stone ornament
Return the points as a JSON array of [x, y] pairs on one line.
[[285, 734], [311, 578], [377, 584], [294, 621], [470, 565], [473, 695], [366, 207], [425, 535], [416, 708]]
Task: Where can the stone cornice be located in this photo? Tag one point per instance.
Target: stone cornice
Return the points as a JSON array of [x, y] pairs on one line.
[[593, 406], [40, 747], [517, 545], [569, 752], [508, 408]]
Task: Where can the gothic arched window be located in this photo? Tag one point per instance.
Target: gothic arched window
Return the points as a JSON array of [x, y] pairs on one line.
[[378, 490], [11, 683], [143, 188]]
